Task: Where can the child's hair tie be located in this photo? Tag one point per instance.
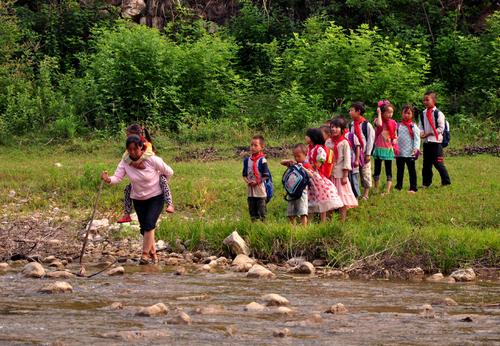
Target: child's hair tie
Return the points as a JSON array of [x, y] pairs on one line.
[[380, 103]]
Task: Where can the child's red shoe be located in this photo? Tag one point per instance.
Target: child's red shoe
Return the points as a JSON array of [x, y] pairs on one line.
[[125, 218], [170, 209]]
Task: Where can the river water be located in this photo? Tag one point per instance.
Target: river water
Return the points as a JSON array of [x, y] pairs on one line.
[[379, 312]]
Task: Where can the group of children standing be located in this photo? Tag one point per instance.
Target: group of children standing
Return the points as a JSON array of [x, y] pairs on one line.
[[338, 157]]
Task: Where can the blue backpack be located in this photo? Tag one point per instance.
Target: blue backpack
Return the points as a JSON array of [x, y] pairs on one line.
[[269, 184], [295, 180]]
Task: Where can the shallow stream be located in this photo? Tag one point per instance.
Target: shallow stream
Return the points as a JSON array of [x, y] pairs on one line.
[[379, 311]]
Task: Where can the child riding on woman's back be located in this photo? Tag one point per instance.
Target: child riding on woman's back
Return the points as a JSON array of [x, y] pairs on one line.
[[150, 151]]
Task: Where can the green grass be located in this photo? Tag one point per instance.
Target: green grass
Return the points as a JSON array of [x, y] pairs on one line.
[[448, 228]]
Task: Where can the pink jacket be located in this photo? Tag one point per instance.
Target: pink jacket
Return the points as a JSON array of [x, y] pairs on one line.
[[145, 182]]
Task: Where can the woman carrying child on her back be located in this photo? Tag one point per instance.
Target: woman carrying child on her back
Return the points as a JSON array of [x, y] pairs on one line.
[[341, 164], [145, 191], [322, 194], [149, 151], [385, 141]]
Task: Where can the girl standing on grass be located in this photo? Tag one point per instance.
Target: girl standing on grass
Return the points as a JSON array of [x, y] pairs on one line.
[[408, 143], [342, 164], [145, 191], [385, 141], [138, 164], [322, 194]]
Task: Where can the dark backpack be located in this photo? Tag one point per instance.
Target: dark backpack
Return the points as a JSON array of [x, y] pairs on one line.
[[295, 180], [269, 184], [446, 132]]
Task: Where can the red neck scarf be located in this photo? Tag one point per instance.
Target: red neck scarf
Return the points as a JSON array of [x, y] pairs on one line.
[[255, 159], [357, 130], [408, 125], [429, 119], [389, 126], [336, 143]]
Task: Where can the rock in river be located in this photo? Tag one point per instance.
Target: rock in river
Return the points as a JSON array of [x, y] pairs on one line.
[[60, 275], [253, 306], [4, 266], [303, 268], [210, 310], [444, 301], [181, 319], [338, 308], [258, 271], [464, 275], [57, 287], [242, 259], [116, 271], [274, 300], [236, 244], [285, 333], [159, 309], [33, 270]]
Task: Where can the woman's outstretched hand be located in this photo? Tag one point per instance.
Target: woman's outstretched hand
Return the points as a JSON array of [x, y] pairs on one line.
[[105, 177]]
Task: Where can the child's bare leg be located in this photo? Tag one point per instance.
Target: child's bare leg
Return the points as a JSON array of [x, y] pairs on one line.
[[389, 183], [303, 220], [343, 213], [311, 216], [323, 216], [367, 191], [375, 183], [291, 219]]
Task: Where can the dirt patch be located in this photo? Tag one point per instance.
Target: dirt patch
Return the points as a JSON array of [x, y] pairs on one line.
[[474, 150], [24, 238], [212, 154]]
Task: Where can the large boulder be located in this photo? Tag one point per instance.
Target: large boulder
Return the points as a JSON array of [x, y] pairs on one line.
[[236, 244], [57, 287], [274, 300], [464, 275], [33, 270], [259, 272]]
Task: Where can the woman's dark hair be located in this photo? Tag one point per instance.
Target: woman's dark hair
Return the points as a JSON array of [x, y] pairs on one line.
[[135, 139], [385, 107], [339, 121], [316, 136], [414, 110], [136, 129]]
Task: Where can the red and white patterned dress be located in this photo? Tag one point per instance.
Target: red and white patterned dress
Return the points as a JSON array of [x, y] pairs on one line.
[[322, 193]]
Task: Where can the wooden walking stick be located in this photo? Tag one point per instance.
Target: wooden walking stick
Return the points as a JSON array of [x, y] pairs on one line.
[[82, 269]]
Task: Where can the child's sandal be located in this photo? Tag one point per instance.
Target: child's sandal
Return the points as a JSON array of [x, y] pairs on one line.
[[144, 259], [154, 258]]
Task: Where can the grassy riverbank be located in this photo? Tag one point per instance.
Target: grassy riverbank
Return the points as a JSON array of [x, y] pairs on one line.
[[436, 228]]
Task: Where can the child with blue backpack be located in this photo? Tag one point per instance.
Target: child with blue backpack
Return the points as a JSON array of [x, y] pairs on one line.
[[295, 181], [409, 144], [255, 173]]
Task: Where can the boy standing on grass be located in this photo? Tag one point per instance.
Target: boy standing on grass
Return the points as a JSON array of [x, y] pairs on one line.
[[432, 134], [366, 135], [255, 171]]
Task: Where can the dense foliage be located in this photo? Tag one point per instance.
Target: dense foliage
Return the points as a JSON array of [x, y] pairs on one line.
[[68, 68]]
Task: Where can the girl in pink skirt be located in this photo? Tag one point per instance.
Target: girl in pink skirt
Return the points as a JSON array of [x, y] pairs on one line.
[[322, 194], [341, 164]]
